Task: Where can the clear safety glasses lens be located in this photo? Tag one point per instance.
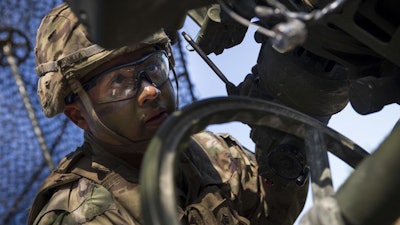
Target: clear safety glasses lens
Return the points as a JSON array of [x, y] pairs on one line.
[[124, 81]]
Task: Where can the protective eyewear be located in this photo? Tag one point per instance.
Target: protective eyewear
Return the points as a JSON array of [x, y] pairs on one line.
[[124, 81]]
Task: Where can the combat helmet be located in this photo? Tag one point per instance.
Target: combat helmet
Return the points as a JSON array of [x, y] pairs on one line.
[[65, 54]]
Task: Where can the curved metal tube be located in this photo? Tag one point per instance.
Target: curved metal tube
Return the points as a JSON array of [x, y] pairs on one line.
[[157, 174]]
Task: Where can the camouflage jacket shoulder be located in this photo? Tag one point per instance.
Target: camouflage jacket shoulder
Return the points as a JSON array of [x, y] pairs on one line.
[[80, 191], [217, 183]]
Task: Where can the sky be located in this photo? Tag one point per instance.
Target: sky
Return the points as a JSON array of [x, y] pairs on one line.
[[368, 131]]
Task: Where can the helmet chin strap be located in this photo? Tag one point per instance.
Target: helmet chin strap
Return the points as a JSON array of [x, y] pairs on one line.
[[77, 88], [177, 86]]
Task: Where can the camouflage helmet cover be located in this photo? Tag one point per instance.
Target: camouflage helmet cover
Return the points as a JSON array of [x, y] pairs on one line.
[[63, 49]]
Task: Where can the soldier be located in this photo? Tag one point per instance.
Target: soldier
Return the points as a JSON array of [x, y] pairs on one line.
[[119, 98]]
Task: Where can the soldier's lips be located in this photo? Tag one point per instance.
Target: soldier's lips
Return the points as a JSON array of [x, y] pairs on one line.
[[156, 118]]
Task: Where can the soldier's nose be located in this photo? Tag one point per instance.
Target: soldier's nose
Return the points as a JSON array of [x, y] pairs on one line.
[[147, 93]]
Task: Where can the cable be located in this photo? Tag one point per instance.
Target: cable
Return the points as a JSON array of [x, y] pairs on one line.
[[244, 21]]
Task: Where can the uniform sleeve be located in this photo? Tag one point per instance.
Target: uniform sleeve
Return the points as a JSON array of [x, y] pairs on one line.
[[83, 202], [220, 178], [229, 171]]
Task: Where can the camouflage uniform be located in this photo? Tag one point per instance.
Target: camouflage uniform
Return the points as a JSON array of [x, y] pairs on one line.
[[217, 183]]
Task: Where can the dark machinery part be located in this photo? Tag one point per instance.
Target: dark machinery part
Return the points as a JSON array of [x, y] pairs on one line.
[[285, 163], [224, 25], [370, 94], [364, 38], [303, 81], [217, 30], [366, 28], [157, 174], [281, 158], [343, 48], [113, 24]]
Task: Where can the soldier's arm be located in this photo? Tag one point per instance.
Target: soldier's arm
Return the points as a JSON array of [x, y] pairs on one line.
[[229, 173]]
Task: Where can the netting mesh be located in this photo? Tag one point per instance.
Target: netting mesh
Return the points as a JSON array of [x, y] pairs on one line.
[[23, 167]]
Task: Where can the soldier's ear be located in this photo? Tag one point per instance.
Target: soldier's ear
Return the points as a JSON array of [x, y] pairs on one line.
[[77, 115]]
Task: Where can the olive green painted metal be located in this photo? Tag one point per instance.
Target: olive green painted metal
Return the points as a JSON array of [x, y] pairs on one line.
[[371, 195]]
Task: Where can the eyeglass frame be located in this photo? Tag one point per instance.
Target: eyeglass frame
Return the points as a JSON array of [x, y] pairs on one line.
[[92, 82]]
